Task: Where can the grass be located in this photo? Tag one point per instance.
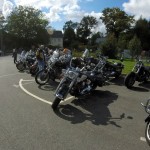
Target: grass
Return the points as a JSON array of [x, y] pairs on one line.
[[128, 63]]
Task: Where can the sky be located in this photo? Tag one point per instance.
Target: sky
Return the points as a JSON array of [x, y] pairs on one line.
[[60, 11]]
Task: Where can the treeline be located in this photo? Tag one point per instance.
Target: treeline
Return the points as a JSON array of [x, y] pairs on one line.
[[27, 26]]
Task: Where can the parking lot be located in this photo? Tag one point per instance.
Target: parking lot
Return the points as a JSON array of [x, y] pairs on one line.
[[111, 118]]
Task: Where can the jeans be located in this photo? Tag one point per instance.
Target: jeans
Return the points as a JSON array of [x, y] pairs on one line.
[[41, 64]]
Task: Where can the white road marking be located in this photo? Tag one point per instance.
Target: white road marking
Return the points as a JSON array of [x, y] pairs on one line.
[[143, 139], [7, 75], [37, 97], [17, 85]]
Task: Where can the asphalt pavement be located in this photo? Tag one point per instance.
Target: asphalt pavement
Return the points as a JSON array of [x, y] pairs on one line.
[[111, 118]]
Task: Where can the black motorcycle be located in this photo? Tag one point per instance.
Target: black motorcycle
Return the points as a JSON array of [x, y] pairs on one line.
[[147, 120], [78, 82], [140, 73], [111, 69]]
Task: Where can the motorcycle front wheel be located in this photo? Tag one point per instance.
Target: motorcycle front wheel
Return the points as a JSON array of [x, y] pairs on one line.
[[42, 77], [130, 80], [56, 103], [147, 133], [20, 66]]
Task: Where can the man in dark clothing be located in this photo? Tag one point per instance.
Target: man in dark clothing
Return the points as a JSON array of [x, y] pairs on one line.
[[40, 57], [15, 55]]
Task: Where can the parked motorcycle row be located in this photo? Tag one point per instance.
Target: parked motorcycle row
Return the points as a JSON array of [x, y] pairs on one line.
[[79, 76]]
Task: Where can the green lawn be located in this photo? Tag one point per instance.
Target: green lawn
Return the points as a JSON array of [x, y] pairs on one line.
[[128, 63]]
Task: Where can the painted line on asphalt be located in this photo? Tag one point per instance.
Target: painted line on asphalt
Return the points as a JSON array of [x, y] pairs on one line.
[[143, 139], [7, 75], [17, 85], [37, 97]]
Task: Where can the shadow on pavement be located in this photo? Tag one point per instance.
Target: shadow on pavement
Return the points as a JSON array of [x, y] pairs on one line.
[[94, 109], [139, 89], [51, 86], [145, 85], [118, 81]]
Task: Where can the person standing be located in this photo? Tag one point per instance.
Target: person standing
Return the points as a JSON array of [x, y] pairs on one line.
[[40, 57], [15, 55]]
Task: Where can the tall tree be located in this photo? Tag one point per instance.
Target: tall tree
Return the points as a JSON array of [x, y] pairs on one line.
[[142, 30], [28, 25], [84, 28], [70, 24], [116, 20], [109, 47], [134, 46]]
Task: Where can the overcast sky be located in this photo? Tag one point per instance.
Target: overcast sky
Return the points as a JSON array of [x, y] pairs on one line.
[[60, 11]]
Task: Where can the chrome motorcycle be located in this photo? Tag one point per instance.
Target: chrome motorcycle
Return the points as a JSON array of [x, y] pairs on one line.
[[140, 73], [25, 62], [147, 120], [79, 82], [53, 69]]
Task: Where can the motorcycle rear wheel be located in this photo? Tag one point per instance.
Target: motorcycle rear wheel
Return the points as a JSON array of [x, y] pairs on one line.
[[129, 80], [20, 66], [42, 77], [56, 103], [147, 133]]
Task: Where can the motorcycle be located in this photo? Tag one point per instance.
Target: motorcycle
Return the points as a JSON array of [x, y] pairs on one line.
[[140, 73], [53, 70], [78, 82], [25, 62], [147, 120]]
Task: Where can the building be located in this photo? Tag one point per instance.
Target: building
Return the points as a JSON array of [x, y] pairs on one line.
[[56, 39]]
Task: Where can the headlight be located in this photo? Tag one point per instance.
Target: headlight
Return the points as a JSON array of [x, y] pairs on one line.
[[72, 74], [148, 106]]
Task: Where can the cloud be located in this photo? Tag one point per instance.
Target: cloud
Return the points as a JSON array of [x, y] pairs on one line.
[[138, 8], [101, 26], [56, 11]]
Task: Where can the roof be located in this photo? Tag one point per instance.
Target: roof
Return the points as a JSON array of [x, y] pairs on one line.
[[57, 34]]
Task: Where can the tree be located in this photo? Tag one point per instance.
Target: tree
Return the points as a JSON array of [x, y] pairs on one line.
[[116, 20], [109, 47], [28, 26], [134, 46], [142, 30], [84, 28], [70, 24], [69, 37], [94, 37]]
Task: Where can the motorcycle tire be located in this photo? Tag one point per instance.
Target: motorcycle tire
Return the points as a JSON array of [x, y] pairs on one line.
[[147, 133], [42, 77], [55, 103], [130, 80], [20, 66]]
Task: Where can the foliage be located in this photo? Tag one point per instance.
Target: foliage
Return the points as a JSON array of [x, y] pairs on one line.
[[109, 47], [116, 20], [84, 28], [142, 30], [69, 36], [28, 26], [134, 46]]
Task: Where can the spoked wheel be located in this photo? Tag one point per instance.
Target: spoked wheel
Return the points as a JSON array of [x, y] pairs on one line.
[[130, 80], [42, 77], [20, 66], [147, 133]]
